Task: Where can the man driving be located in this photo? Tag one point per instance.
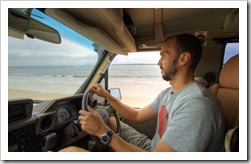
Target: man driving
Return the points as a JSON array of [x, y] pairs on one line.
[[189, 117]]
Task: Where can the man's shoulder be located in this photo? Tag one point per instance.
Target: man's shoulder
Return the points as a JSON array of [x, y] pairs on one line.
[[165, 92], [197, 93], [201, 96], [198, 89]]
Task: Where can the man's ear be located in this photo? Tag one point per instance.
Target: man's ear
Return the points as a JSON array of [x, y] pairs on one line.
[[184, 58]]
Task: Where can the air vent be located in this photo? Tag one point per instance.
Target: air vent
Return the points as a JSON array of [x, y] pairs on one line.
[[46, 123]]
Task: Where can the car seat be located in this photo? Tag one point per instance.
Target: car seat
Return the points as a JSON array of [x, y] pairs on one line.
[[227, 91]]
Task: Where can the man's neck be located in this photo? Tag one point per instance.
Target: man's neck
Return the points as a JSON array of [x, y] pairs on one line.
[[181, 82]]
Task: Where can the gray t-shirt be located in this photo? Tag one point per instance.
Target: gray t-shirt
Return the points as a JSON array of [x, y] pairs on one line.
[[190, 120]]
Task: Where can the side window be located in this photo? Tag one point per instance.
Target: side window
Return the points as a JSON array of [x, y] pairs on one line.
[[138, 76], [231, 49]]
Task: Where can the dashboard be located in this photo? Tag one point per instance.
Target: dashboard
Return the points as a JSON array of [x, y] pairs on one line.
[[45, 126]]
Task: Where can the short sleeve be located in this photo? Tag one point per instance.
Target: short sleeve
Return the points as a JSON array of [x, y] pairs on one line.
[[156, 104]]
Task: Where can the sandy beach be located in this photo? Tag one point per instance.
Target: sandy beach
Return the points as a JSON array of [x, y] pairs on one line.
[[132, 94], [139, 95], [18, 93]]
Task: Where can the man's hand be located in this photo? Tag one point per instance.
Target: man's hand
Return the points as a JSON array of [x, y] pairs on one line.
[[73, 149], [91, 122], [99, 90]]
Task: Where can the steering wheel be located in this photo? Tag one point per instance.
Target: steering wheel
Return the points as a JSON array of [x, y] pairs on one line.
[[88, 99]]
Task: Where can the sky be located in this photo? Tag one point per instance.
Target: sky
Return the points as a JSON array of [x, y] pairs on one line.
[[74, 49], [64, 31], [138, 58], [33, 52]]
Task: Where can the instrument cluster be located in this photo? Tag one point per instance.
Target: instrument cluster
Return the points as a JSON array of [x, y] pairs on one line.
[[67, 112]]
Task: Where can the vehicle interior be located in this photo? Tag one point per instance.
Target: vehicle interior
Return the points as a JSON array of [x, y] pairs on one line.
[[50, 125]]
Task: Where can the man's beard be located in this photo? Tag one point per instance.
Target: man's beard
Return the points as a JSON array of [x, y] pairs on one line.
[[171, 71]]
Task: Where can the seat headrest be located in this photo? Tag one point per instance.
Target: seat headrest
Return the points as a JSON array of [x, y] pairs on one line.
[[229, 76]]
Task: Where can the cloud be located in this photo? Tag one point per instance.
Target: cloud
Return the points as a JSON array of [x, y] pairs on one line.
[[34, 52], [138, 58], [37, 52]]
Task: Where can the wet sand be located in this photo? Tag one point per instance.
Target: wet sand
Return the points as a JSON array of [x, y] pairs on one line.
[[18, 93], [127, 96]]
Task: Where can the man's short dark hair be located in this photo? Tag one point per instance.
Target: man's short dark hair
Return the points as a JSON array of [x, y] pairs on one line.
[[188, 43]]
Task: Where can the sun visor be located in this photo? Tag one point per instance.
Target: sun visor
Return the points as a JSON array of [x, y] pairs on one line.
[[103, 26]]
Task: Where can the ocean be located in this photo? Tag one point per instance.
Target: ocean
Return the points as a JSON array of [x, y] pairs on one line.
[[56, 79], [137, 74], [67, 79]]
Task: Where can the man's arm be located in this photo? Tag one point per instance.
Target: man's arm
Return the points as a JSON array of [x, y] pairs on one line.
[[162, 146], [92, 123], [119, 145], [136, 115]]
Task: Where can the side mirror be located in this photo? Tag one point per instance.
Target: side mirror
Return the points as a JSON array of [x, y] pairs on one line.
[[115, 92], [22, 24]]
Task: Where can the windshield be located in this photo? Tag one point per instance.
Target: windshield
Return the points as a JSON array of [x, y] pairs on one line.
[[41, 70]]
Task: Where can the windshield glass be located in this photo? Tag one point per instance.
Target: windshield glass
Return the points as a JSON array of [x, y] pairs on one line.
[[41, 70]]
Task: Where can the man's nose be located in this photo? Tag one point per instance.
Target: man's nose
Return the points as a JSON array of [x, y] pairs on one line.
[[159, 62]]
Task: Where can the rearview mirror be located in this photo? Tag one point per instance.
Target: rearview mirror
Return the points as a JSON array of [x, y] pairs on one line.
[[115, 92], [20, 24]]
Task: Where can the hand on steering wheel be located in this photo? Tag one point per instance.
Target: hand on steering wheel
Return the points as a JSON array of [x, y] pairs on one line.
[[89, 100], [105, 113]]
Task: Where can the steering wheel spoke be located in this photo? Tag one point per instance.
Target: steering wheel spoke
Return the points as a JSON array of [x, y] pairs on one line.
[[105, 112]]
